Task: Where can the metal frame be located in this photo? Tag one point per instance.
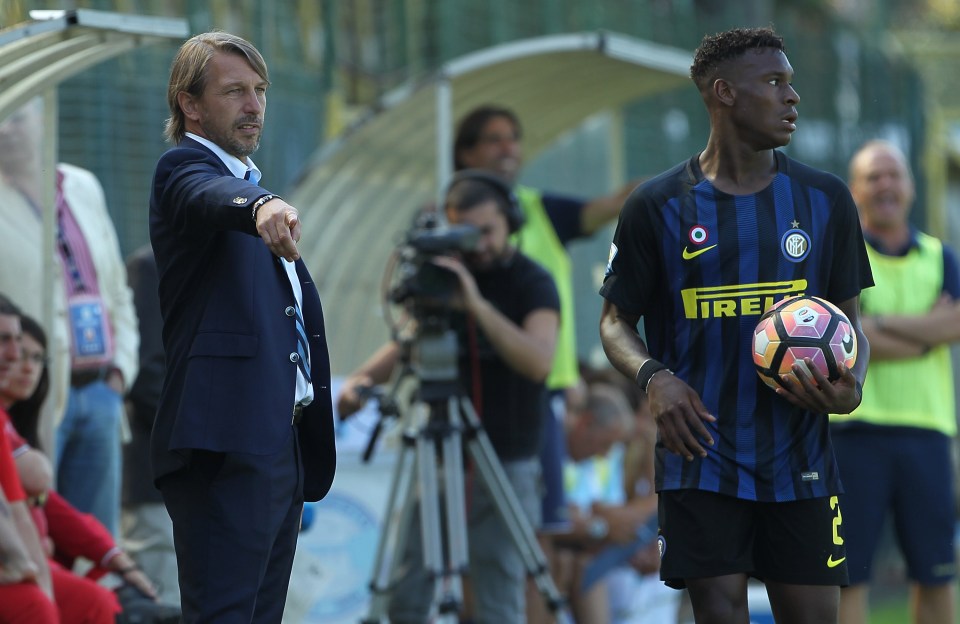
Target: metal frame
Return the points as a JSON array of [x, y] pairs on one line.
[[612, 45]]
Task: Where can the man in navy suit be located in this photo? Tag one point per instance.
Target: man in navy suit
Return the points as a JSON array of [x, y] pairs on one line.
[[244, 430]]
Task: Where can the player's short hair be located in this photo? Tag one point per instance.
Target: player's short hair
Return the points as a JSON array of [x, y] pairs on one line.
[[188, 73], [715, 50], [472, 125]]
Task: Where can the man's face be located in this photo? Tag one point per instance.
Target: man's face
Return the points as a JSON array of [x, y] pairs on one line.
[[10, 337], [764, 110], [493, 245], [882, 188], [21, 136], [497, 150], [230, 112]]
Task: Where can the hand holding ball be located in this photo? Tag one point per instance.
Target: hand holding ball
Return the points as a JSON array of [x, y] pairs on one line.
[[798, 328]]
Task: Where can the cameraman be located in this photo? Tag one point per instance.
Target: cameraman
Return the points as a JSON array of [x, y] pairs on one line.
[[505, 315]]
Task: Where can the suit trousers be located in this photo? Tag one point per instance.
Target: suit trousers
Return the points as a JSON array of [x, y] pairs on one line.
[[235, 517]]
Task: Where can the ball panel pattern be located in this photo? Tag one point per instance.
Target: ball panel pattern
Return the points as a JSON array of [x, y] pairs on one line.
[[802, 327]]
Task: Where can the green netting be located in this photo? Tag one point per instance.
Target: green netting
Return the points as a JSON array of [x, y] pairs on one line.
[[112, 115]]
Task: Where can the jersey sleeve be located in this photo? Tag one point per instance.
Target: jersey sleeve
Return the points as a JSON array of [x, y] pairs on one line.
[[851, 271], [633, 264]]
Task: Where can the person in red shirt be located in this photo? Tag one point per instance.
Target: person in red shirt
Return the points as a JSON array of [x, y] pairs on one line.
[[77, 599], [22, 599], [26, 593], [71, 534]]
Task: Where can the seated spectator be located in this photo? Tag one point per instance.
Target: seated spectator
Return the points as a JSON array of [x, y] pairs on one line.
[[22, 599], [595, 431], [76, 599], [637, 595], [67, 533]]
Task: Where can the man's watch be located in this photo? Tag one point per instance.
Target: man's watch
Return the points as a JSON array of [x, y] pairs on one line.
[[598, 528]]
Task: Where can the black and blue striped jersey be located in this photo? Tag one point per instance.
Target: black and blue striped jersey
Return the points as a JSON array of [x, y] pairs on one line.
[[700, 266]]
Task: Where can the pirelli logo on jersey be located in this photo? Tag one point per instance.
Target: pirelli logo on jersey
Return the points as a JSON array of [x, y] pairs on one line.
[[738, 299]]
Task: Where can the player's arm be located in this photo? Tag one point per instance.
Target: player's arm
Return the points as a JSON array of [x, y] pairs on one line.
[[602, 210], [27, 530], [940, 325], [679, 412], [887, 345], [842, 396], [16, 565]]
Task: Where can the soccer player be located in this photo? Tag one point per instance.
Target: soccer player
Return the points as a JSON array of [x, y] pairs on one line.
[[747, 480]]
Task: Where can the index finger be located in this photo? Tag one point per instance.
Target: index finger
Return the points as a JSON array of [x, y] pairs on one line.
[[286, 247], [293, 222]]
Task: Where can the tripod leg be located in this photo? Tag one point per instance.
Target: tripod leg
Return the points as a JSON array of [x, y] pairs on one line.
[[511, 512], [452, 453], [396, 523], [446, 596]]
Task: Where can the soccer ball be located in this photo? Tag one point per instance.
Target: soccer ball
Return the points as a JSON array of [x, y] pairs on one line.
[[798, 328]]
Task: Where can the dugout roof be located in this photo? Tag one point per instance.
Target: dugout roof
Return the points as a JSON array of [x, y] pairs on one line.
[[363, 189]]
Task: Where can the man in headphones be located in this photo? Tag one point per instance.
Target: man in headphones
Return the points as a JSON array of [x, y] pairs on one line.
[[489, 137], [505, 315]]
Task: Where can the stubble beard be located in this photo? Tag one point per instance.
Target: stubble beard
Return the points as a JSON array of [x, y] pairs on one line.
[[241, 149], [230, 144]]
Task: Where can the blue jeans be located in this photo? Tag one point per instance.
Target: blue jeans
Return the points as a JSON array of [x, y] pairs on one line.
[[89, 452]]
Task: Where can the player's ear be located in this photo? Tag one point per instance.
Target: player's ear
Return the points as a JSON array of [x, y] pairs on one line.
[[723, 91]]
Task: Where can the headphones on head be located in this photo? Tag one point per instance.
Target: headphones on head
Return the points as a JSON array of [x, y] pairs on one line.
[[512, 211]]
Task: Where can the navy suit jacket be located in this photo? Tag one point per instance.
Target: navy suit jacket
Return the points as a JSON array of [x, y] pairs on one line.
[[227, 335]]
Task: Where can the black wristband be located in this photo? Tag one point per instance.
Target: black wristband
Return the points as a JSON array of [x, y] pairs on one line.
[[646, 372], [260, 202]]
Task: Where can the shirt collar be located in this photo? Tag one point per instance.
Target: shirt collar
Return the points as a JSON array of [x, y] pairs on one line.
[[912, 242], [236, 166]]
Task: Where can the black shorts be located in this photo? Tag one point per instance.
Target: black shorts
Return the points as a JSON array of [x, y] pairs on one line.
[[703, 534]]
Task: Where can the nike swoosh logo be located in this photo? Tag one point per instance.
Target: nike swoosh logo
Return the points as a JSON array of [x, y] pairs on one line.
[[690, 255], [847, 343], [832, 564]]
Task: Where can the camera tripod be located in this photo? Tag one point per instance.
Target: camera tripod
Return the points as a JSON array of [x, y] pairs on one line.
[[438, 420]]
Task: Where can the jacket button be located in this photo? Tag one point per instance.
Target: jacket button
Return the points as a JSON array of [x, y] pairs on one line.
[[290, 311], [294, 357]]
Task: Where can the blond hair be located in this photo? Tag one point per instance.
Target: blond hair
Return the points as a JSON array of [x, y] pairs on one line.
[[188, 73]]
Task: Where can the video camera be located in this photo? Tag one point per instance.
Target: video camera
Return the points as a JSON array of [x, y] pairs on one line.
[[420, 281]]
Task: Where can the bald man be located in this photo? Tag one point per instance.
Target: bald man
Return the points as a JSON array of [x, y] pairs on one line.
[[894, 450]]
